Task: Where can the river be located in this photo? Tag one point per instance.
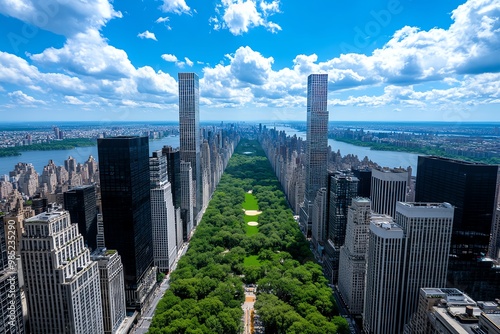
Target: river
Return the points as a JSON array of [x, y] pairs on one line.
[[39, 159], [383, 158]]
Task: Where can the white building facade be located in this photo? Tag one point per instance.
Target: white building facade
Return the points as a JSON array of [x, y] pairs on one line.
[[352, 263], [61, 281], [162, 214]]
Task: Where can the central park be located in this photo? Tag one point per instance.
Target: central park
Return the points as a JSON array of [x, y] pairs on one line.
[[248, 236]]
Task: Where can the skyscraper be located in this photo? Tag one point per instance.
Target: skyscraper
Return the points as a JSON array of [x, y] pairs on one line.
[[471, 189], [112, 291], [126, 210], [352, 262], [82, 206], [317, 144], [342, 189], [319, 219], [495, 236], [388, 187], [162, 214], [189, 131], [402, 258], [61, 282], [11, 313], [383, 278], [187, 214], [427, 228], [173, 172]]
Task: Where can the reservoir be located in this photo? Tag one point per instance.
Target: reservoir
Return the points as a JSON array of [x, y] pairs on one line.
[[39, 159]]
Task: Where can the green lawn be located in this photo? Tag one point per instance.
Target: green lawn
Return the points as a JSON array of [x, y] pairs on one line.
[[250, 202], [251, 261], [251, 230]]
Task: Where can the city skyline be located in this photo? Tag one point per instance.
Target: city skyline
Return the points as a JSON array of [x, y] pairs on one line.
[[387, 60]]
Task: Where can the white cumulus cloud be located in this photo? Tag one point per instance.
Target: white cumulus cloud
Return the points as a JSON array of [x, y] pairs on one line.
[[241, 15], [169, 58], [188, 62], [147, 35], [18, 97], [175, 6], [61, 16]]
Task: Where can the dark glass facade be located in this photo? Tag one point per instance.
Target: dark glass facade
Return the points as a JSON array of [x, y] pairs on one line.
[[174, 171], [126, 209], [81, 204], [340, 192], [365, 180], [471, 189]]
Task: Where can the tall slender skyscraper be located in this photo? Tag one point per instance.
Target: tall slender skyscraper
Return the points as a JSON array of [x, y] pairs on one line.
[[126, 210], [189, 131], [82, 206], [317, 144], [62, 283], [162, 214]]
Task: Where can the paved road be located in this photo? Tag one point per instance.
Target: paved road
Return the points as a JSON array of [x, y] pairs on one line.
[[142, 326], [344, 312], [248, 309]]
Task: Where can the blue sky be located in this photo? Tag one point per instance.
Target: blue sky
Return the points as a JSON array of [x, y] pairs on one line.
[[391, 60]]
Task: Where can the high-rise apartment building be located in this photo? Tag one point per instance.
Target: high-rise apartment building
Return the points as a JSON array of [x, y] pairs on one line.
[[402, 258], [427, 228], [112, 288], [317, 144], [61, 281], [189, 131], [81, 203], [352, 262], [388, 187], [383, 283], [162, 214], [126, 210], [342, 189], [11, 313], [187, 214], [471, 189]]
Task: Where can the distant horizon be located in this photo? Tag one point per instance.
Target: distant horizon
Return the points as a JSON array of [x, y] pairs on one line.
[[101, 60], [247, 121]]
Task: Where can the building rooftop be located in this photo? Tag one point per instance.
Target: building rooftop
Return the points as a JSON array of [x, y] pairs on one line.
[[455, 310], [427, 205], [47, 216]]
